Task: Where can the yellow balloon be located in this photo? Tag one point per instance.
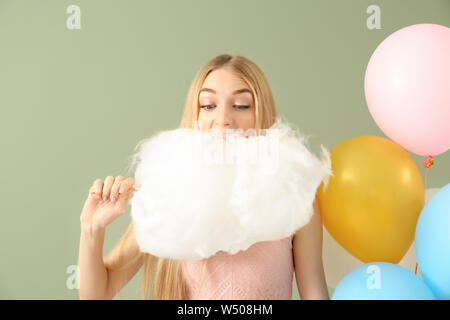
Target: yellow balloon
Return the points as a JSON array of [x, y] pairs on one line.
[[373, 200]]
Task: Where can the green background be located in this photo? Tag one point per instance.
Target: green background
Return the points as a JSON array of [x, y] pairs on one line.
[[75, 102]]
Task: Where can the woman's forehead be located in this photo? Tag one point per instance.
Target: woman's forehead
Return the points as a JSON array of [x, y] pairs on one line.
[[224, 81]]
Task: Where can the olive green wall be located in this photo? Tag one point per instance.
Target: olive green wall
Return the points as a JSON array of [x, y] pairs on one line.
[[75, 102]]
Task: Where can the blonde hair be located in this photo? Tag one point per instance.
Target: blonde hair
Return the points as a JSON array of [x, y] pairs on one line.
[[165, 275]]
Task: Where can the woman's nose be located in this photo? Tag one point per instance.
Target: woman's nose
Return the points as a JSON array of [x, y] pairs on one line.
[[223, 119]]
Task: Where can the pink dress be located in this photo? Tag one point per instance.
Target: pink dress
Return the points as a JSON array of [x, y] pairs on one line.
[[262, 272]]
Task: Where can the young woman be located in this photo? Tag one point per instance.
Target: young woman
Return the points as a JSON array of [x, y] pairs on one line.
[[228, 92]]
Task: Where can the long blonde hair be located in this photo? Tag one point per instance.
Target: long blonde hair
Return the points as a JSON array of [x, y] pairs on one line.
[[165, 275]]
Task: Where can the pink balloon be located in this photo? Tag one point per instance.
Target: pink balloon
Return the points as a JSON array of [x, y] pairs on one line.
[[407, 88]]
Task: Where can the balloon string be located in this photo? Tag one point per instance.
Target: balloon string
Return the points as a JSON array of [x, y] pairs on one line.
[[427, 163]]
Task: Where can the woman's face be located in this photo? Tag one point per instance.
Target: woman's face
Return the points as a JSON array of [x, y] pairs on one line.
[[226, 102]]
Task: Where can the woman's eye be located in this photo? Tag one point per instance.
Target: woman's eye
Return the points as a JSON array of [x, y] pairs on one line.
[[207, 107]]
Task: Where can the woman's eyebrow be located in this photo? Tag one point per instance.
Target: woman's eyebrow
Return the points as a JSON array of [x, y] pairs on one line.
[[234, 92]]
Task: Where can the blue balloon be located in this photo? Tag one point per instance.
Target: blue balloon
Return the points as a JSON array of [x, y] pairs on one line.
[[382, 281], [432, 243]]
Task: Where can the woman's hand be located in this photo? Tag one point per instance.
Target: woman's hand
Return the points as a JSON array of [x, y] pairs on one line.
[[106, 201]]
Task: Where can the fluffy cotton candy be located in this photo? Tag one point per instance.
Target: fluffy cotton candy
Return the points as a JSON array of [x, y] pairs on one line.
[[203, 192]]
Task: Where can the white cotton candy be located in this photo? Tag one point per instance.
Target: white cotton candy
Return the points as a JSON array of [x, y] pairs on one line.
[[202, 192]]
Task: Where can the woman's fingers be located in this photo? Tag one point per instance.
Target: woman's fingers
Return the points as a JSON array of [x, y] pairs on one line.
[[114, 194], [127, 185], [107, 187], [97, 188], [124, 192]]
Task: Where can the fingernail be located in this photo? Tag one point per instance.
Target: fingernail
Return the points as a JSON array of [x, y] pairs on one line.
[[112, 198], [121, 189], [105, 198]]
